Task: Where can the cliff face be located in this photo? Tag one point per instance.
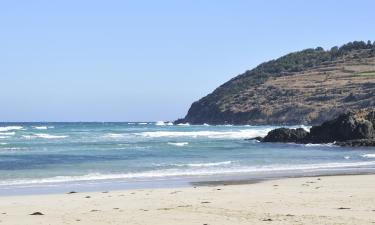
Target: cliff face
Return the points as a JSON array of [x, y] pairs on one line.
[[306, 87]]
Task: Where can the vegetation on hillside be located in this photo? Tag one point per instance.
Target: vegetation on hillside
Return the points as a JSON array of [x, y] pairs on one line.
[[294, 62], [247, 99]]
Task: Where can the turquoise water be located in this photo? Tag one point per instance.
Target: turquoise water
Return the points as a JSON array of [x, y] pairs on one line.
[[57, 154]]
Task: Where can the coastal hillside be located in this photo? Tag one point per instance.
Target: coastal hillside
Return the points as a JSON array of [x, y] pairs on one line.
[[305, 87]]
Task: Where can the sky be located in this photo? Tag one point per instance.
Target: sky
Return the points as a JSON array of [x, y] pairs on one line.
[[91, 60]]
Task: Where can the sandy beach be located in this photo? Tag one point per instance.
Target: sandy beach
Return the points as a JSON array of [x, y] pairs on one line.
[[310, 200]]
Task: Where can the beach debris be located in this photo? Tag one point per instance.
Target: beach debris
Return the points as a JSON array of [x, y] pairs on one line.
[[343, 208], [165, 209], [36, 214], [267, 220]]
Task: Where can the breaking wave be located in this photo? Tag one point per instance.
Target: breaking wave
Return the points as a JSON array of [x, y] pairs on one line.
[[321, 145], [179, 144], [8, 133], [45, 136], [241, 134], [114, 136], [160, 123], [10, 128], [213, 164], [370, 156], [41, 127], [184, 124]]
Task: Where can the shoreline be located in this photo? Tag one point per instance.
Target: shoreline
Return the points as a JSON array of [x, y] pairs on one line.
[[175, 182], [334, 199]]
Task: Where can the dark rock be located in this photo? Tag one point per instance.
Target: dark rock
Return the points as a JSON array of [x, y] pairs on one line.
[[286, 135], [348, 126], [256, 138], [354, 128]]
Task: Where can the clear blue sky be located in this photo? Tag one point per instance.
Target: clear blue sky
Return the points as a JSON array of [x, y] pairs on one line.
[[88, 60]]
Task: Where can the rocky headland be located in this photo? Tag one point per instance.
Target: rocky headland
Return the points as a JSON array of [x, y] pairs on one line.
[[354, 128], [306, 87]]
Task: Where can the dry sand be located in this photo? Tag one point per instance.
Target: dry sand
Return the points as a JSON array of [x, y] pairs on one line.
[[315, 200]]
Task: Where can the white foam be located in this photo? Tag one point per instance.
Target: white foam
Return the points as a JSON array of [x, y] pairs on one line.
[[12, 149], [368, 156], [40, 127], [142, 123], [240, 134], [347, 157], [49, 136], [170, 124], [8, 133], [321, 145], [3, 143], [184, 124], [179, 144], [131, 123], [28, 136], [206, 124], [306, 128], [113, 135], [212, 164], [165, 173], [10, 128], [160, 123]]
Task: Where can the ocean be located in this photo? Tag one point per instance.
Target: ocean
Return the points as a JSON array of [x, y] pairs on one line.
[[59, 157]]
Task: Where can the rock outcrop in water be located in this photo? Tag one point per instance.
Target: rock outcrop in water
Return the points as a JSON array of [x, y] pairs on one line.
[[286, 135], [354, 128], [305, 87]]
